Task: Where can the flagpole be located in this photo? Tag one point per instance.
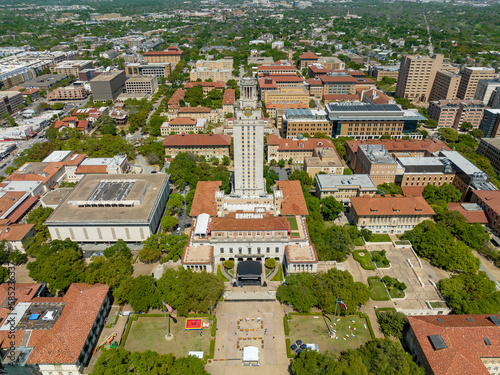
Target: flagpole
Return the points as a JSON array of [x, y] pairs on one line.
[[167, 322], [335, 315]]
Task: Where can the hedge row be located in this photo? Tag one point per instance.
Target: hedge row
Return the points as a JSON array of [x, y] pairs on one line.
[[214, 326], [285, 324]]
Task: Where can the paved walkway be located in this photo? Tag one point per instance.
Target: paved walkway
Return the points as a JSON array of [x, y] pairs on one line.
[[489, 267]]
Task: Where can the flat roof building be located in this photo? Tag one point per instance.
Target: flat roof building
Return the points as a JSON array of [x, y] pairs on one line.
[[490, 148], [141, 84], [108, 85], [342, 188], [485, 88], [470, 79], [103, 209], [445, 86], [148, 69], [377, 162], [490, 124], [71, 67]]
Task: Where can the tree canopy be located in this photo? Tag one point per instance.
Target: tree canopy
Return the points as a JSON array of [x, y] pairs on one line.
[[305, 291], [446, 192], [381, 357]]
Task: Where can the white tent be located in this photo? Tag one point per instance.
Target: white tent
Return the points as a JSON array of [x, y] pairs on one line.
[[251, 354], [201, 228], [196, 354]]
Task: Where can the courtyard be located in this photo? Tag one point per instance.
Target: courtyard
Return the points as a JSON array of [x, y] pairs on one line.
[[148, 333], [350, 332]]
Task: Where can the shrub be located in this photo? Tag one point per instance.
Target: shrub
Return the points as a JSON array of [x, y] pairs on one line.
[[228, 264], [270, 262]]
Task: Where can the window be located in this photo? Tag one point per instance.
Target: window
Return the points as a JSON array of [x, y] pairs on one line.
[[222, 250], [276, 250]]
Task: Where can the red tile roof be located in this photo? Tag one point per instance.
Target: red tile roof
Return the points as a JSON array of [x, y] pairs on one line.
[[15, 232], [182, 121], [391, 206], [194, 110], [199, 140], [273, 223], [464, 340], [88, 169], [319, 69], [490, 198], [293, 144], [308, 56], [380, 98], [413, 191], [428, 145], [338, 98], [285, 105], [229, 97], [30, 91], [314, 82], [327, 78], [293, 198], [478, 216], [23, 208], [204, 198], [10, 198], [65, 341]]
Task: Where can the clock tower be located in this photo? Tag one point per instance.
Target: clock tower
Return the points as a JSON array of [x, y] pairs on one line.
[[248, 135]]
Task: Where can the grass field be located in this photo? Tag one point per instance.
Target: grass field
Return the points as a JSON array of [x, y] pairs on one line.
[[396, 293], [364, 258], [149, 334], [380, 238], [377, 289], [279, 274], [220, 275], [311, 330], [293, 223]]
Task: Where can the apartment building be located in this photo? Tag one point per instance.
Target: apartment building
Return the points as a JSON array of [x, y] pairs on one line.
[[423, 171], [67, 93], [490, 148], [148, 69], [307, 58], [141, 84], [172, 55], [377, 162], [71, 67], [445, 86], [182, 125], [470, 79], [342, 188], [207, 145], [380, 71], [485, 88], [452, 113], [10, 102], [367, 121], [301, 121], [297, 149], [323, 160], [490, 124], [387, 214], [416, 76], [108, 85]]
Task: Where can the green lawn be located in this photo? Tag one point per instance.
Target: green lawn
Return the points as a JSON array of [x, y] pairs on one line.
[[358, 241], [379, 264], [364, 258], [380, 238], [295, 234], [149, 334], [396, 293], [220, 275], [293, 223], [377, 289], [311, 330], [438, 304], [279, 274]]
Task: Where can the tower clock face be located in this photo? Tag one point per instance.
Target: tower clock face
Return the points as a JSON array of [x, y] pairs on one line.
[[248, 112]]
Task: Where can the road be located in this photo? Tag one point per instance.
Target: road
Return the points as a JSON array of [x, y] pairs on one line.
[[145, 167], [491, 270], [22, 145], [431, 46]]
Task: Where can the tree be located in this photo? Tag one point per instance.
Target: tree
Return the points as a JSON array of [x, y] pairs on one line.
[[120, 247], [59, 264], [331, 208], [225, 160], [448, 134], [466, 125], [305, 180], [431, 123], [228, 264], [393, 323], [477, 133], [106, 124], [175, 202], [168, 223], [281, 163], [470, 293], [143, 294], [270, 262], [17, 258], [446, 192], [390, 188]]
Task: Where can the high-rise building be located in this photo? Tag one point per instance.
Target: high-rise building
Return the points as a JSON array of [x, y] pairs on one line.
[[416, 76], [248, 133], [470, 79], [108, 85], [445, 86], [485, 88]]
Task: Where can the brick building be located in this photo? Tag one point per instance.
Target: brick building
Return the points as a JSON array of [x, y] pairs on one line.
[[207, 145], [172, 55]]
